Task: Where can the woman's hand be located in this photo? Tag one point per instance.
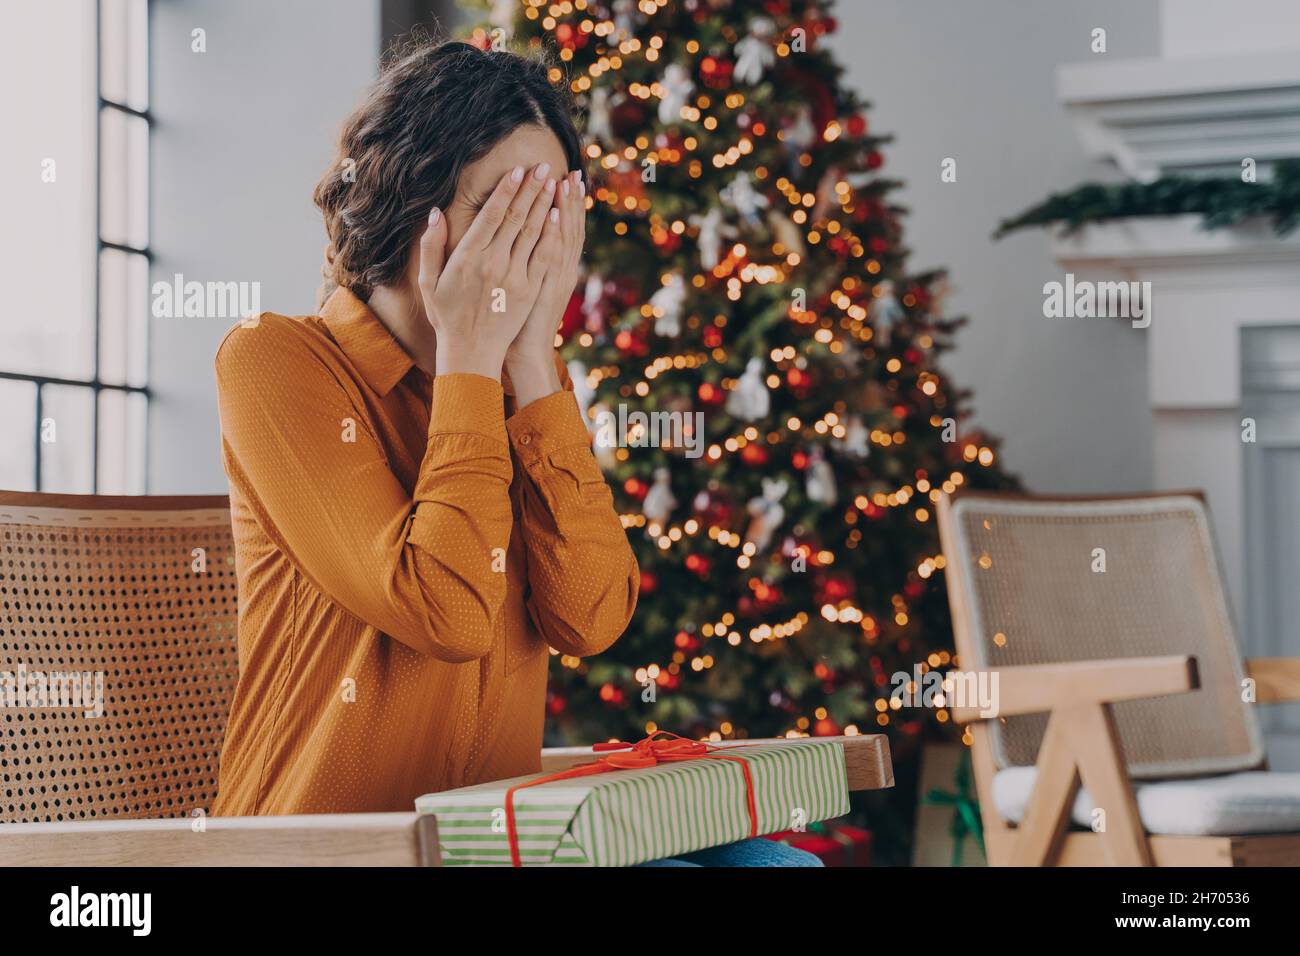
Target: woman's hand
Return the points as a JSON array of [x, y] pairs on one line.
[[530, 362], [479, 298]]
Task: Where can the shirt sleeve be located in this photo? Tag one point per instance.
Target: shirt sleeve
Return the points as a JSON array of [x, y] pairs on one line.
[[297, 446], [582, 575]]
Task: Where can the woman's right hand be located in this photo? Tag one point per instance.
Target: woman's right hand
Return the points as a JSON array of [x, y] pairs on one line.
[[478, 297]]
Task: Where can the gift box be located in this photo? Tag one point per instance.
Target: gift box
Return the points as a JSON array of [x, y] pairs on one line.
[[835, 844], [948, 826], [677, 796]]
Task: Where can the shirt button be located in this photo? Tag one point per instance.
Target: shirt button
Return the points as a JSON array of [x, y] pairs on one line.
[[525, 439]]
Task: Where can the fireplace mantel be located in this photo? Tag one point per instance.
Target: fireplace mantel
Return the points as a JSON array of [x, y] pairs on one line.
[[1154, 116]]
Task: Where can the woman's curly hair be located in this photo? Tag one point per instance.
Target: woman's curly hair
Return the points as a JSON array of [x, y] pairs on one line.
[[435, 108]]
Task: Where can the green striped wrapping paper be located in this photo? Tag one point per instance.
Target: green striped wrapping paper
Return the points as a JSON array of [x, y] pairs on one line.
[[625, 817]]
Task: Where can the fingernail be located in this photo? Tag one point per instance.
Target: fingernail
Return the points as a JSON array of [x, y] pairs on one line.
[[555, 215], [550, 186], [564, 189], [542, 170], [582, 188], [517, 175], [434, 215]]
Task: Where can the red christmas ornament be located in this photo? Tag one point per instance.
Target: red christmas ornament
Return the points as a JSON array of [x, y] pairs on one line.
[[573, 317], [555, 704], [712, 336], [826, 728], [710, 394], [799, 461], [686, 641], [636, 488], [836, 588], [856, 125], [627, 118], [754, 454], [698, 564], [649, 582], [875, 160], [632, 343], [569, 36], [913, 355], [716, 72], [914, 589], [666, 241]]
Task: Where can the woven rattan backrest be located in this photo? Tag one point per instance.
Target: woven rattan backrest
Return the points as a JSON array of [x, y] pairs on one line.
[[139, 595], [1027, 587]]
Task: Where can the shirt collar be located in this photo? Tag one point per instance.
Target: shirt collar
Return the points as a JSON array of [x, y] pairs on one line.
[[367, 343]]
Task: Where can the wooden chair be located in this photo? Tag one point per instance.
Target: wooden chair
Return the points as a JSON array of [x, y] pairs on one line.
[[142, 591], [1107, 625]]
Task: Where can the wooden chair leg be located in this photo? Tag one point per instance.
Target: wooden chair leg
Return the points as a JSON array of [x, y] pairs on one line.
[[1101, 765], [1038, 838]]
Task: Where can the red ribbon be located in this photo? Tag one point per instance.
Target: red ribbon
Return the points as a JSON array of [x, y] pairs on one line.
[[648, 752]]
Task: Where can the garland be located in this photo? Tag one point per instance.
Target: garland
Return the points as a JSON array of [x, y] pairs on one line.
[[1220, 202]]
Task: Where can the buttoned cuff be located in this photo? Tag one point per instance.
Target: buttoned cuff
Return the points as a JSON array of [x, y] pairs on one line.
[[546, 425], [467, 404]]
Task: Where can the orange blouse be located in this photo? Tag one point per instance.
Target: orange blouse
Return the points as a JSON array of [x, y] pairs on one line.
[[406, 548]]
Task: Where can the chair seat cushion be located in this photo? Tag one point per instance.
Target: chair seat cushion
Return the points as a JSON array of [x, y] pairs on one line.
[[1256, 801]]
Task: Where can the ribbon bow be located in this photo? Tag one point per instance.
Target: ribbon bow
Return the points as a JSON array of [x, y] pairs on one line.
[[647, 752], [966, 810]]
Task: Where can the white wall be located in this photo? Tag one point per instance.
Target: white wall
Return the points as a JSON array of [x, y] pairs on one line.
[[243, 132], [975, 81], [1216, 28]]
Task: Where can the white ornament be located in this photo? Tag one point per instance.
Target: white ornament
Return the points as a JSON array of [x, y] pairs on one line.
[[801, 133], [766, 513], [886, 312], [709, 241], [821, 479], [604, 428], [754, 53], [677, 92], [502, 14], [856, 440], [667, 304], [592, 293], [624, 12], [598, 125], [740, 194], [582, 389], [787, 233], [750, 400], [659, 501]]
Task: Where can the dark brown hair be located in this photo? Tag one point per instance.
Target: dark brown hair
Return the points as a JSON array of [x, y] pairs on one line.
[[435, 108]]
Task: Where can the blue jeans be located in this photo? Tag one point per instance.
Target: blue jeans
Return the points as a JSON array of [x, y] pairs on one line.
[[756, 852]]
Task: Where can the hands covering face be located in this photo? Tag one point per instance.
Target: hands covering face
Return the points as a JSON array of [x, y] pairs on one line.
[[498, 299]]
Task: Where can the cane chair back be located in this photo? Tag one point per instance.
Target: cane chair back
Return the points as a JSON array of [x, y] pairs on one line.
[[117, 655], [1041, 581]]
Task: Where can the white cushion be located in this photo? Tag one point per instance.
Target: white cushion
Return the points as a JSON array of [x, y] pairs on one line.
[[1256, 801]]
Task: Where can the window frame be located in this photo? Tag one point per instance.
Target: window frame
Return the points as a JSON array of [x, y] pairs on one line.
[[95, 383]]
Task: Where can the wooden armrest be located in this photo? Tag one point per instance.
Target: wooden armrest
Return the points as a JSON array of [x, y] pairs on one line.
[[344, 839], [866, 757], [1277, 679], [1036, 688]]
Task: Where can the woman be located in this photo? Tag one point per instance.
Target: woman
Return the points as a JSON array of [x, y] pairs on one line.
[[417, 512]]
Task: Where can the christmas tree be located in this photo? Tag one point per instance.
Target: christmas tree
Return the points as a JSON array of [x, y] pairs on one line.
[[744, 262]]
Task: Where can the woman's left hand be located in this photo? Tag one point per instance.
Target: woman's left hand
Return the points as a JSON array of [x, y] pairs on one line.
[[530, 361]]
